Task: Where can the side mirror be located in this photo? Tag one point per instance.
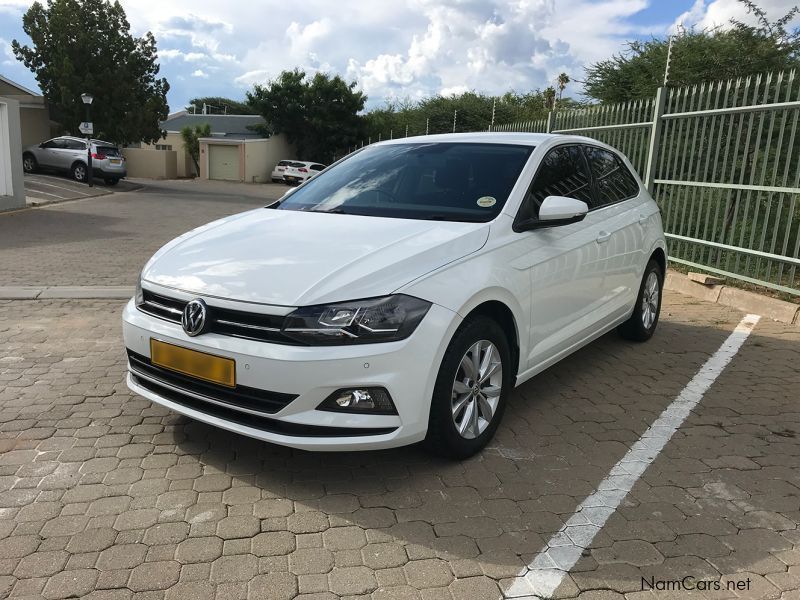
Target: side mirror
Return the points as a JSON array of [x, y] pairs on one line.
[[554, 211]]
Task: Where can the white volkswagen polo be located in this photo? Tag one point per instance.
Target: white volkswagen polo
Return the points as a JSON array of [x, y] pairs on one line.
[[400, 295]]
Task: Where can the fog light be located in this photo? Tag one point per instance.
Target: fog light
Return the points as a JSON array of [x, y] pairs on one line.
[[375, 401]]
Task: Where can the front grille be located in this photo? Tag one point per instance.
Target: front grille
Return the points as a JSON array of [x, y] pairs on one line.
[[239, 397], [257, 421], [234, 323]]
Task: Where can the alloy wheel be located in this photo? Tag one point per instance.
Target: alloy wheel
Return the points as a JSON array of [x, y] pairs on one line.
[[650, 300], [27, 164], [476, 389], [80, 173]]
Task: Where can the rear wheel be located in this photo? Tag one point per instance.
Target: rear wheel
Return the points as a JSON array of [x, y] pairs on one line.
[[642, 324], [29, 163], [79, 172], [471, 389]]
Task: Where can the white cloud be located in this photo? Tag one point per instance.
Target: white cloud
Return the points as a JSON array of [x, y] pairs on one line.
[[200, 73], [402, 48], [707, 14]]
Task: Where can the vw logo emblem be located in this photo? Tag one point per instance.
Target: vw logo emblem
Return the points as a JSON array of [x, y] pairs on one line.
[[193, 318]]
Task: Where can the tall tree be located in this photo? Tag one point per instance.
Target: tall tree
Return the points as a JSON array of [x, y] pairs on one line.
[[319, 115], [218, 105], [86, 46], [191, 141], [697, 56]]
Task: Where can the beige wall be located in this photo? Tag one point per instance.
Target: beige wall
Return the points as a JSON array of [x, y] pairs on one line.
[[152, 164], [185, 167], [35, 124], [261, 156]]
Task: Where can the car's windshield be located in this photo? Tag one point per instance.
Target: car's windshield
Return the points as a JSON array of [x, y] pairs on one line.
[[453, 181]]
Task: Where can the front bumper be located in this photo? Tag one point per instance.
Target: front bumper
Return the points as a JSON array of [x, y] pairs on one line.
[[407, 369]]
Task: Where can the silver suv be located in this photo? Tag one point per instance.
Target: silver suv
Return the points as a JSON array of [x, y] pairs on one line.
[[68, 154]]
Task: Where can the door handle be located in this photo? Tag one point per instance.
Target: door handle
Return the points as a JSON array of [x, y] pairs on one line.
[[643, 220], [603, 237]]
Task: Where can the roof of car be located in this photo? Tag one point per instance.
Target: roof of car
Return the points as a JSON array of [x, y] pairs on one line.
[[531, 139], [81, 139]]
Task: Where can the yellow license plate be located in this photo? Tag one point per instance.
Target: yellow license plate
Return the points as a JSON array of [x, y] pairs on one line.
[[114, 161], [216, 369]]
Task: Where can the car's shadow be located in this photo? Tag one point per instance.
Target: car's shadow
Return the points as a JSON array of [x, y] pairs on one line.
[[561, 434]]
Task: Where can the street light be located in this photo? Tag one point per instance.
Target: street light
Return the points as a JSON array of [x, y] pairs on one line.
[[87, 100]]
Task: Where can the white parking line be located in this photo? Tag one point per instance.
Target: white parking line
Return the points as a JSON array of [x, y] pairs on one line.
[[33, 193], [60, 187], [547, 570]]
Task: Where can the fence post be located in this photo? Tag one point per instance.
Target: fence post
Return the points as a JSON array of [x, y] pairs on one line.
[[551, 121], [655, 138]]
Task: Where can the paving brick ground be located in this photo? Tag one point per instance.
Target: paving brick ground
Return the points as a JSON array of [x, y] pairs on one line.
[[107, 240], [106, 496]]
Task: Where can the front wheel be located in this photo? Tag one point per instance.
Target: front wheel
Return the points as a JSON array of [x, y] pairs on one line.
[[79, 172], [642, 324], [471, 388], [29, 164]]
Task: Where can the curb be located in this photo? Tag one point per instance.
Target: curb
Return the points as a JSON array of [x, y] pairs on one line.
[[772, 308], [67, 292]]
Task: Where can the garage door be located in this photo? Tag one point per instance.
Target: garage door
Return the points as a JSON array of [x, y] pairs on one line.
[[223, 162]]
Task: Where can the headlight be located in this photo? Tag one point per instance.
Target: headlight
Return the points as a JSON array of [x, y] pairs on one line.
[[139, 296], [385, 319]]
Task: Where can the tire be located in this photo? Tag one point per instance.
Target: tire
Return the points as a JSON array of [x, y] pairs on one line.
[[644, 320], [79, 172], [111, 181], [276, 180], [29, 163], [451, 431]]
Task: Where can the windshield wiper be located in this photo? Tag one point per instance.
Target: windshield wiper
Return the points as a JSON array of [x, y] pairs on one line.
[[335, 211], [461, 218]]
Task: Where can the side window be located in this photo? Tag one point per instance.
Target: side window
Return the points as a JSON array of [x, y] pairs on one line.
[[317, 167], [74, 145], [54, 144], [613, 181], [563, 172]]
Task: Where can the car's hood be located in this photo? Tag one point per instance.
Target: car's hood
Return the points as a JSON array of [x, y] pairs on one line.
[[294, 258]]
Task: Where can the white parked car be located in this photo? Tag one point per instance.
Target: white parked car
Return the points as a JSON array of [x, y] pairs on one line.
[[300, 171], [401, 295], [279, 170]]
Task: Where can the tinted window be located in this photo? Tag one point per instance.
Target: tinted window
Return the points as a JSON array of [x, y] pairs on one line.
[[613, 181], [284, 163], [563, 172], [317, 167], [74, 145], [437, 181], [108, 151], [53, 144]]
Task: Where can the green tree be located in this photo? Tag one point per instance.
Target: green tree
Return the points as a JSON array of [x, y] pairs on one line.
[[319, 115], [86, 46], [697, 56], [191, 141], [218, 105]]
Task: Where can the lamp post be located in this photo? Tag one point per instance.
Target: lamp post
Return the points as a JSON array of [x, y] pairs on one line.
[[87, 100]]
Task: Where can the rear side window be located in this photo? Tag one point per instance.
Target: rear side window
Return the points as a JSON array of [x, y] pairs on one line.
[[563, 172], [54, 144], [74, 145], [613, 181], [317, 167], [284, 163], [108, 151]]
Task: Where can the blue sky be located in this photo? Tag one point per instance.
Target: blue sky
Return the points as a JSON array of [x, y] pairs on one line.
[[398, 49]]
